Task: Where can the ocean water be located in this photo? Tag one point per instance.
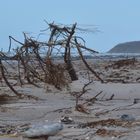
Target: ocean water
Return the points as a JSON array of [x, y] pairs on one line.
[[117, 55], [75, 56]]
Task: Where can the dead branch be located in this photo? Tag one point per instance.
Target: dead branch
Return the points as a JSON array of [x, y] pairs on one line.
[[84, 90], [93, 99], [84, 61], [111, 97], [6, 80]]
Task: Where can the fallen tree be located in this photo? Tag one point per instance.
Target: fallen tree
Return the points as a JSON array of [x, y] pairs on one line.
[[34, 67]]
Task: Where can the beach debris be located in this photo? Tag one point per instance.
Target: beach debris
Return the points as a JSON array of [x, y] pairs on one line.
[[43, 130], [121, 63], [136, 100], [5, 99], [127, 117], [120, 71], [138, 79], [66, 120], [13, 129], [110, 122], [34, 58], [116, 80], [93, 99], [110, 133], [78, 95], [82, 109], [111, 97]]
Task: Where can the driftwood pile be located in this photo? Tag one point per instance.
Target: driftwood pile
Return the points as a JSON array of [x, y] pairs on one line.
[[122, 71], [122, 63], [37, 60]]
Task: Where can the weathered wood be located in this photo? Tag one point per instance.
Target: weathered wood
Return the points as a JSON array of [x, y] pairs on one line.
[[62, 40], [6, 80], [84, 61]]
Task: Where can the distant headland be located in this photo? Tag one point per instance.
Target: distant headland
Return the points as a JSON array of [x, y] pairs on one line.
[[127, 47]]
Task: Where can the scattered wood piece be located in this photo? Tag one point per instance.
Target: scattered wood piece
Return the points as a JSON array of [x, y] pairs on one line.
[[124, 62], [110, 122], [136, 100], [93, 99], [81, 108], [111, 97], [110, 133]]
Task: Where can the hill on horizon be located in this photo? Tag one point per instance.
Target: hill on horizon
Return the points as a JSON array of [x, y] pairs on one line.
[[127, 47]]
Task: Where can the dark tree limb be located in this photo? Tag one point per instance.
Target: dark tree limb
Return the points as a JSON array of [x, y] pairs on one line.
[[67, 56], [6, 80], [84, 61]]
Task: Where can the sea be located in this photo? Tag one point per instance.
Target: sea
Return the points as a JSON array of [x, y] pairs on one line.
[[104, 56]]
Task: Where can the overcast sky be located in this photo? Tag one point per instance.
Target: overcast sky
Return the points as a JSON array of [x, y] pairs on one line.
[[118, 20]]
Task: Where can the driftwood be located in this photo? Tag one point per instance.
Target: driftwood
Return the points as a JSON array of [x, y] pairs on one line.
[[121, 63], [119, 71], [93, 99], [80, 107], [34, 67], [110, 122], [6, 80]]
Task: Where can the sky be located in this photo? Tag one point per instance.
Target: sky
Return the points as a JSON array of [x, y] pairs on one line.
[[117, 20]]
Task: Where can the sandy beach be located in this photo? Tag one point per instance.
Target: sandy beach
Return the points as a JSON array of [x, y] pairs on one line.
[[113, 114]]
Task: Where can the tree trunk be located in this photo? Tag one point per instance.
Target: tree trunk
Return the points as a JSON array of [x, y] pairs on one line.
[[71, 71], [67, 56]]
